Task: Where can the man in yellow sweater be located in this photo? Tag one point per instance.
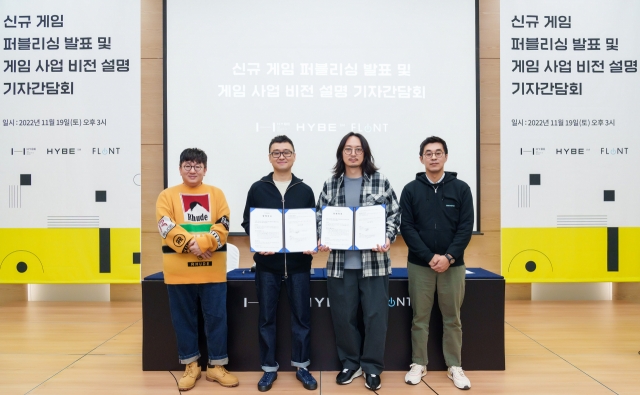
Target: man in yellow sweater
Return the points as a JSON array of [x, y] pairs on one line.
[[193, 221]]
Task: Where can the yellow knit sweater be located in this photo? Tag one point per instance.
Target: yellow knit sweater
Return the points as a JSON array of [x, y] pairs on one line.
[[183, 213]]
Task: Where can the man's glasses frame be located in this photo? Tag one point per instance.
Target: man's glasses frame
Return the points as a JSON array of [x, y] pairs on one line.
[[350, 150], [197, 168], [438, 154], [286, 153]]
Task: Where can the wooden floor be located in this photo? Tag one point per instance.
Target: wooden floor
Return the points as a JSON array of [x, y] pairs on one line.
[[95, 348]]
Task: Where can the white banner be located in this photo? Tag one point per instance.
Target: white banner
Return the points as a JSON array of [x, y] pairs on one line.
[[569, 142], [70, 146]]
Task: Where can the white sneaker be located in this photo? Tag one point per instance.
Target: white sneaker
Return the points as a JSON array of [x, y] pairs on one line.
[[456, 374], [416, 373]]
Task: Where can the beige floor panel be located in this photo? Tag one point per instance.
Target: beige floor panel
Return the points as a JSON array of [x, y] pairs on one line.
[[588, 325], [20, 373], [529, 374], [56, 337], [517, 343], [108, 375], [621, 373], [129, 341], [71, 311]]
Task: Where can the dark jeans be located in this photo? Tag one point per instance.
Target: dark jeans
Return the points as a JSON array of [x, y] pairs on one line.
[[345, 294], [183, 302], [298, 290]]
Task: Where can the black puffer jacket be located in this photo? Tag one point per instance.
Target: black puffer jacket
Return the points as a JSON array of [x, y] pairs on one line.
[[265, 194]]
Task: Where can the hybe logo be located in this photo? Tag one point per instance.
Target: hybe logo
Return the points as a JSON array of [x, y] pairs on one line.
[[62, 151], [571, 151], [106, 151], [393, 302], [614, 151], [319, 302]]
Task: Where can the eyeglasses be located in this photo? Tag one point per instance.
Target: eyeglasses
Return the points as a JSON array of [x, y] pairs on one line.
[[350, 150], [188, 168], [437, 154], [276, 154]]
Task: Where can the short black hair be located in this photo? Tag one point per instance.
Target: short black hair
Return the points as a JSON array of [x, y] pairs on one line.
[[434, 139], [281, 139], [193, 155], [368, 163]]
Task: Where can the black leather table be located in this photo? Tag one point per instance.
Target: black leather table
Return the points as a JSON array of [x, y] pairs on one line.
[[482, 316]]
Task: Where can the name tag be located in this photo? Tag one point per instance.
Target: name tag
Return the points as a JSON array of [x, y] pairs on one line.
[[197, 264]]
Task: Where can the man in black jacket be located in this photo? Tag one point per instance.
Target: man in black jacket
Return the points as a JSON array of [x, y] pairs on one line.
[[437, 222], [282, 190]]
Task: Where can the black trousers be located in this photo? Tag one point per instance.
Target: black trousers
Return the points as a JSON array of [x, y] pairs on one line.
[[345, 295]]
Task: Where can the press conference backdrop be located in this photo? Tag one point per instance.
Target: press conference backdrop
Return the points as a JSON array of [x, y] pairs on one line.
[[239, 73], [70, 145], [569, 140]]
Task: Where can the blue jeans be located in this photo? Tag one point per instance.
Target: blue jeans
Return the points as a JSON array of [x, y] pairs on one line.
[[183, 301], [298, 289]]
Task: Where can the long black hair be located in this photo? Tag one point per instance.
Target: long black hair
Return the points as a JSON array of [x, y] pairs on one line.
[[368, 163]]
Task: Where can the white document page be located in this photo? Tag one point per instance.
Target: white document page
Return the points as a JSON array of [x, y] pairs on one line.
[[300, 230], [370, 227], [337, 227], [266, 230]]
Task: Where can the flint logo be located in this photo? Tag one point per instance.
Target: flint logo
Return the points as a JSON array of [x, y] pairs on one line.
[[196, 208], [106, 151], [164, 226], [399, 302], [614, 151]]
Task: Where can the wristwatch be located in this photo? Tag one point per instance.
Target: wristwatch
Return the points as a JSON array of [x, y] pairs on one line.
[[451, 259]]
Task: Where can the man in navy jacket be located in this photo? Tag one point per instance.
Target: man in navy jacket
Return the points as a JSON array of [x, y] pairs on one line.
[[282, 190], [437, 222]]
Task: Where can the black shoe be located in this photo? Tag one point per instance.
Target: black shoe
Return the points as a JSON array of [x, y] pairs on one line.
[[347, 376], [266, 382], [372, 381]]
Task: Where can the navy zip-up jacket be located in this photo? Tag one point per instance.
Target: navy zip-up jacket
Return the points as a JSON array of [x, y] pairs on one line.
[[265, 194], [436, 218]]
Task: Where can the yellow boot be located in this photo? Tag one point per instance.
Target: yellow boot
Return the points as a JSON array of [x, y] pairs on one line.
[[191, 374], [221, 375]]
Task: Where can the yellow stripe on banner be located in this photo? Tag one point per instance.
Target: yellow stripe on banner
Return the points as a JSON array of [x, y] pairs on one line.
[[69, 256], [569, 255]]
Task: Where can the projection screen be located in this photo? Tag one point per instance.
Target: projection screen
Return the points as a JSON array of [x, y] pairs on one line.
[[238, 73]]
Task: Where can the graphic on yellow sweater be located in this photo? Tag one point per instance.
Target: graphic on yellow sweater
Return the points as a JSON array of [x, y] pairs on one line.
[[185, 213]]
